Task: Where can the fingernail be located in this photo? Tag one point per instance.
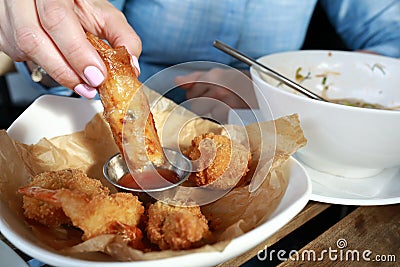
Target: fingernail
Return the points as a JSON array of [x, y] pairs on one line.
[[85, 91], [135, 63], [93, 75]]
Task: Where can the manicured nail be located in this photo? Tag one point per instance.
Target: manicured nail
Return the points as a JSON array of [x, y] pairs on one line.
[[135, 63], [93, 75], [85, 91]]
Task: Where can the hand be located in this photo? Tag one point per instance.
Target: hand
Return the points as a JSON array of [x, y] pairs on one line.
[[52, 34], [214, 92]]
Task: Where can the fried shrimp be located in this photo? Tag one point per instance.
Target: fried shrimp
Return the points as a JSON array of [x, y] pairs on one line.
[[74, 179], [221, 162], [126, 107], [96, 214], [173, 227]]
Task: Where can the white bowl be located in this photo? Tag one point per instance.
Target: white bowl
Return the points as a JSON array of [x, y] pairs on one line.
[[342, 140]]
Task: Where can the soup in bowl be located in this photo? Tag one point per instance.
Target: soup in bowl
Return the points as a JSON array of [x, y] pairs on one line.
[[357, 133]]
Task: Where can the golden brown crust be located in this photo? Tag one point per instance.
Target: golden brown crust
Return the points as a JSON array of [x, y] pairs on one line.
[[99, 214], [221, 163], [74, 179], [70, 197], [173, 227], [122, 91]]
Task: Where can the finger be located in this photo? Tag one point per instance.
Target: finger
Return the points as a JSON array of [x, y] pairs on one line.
[[6, 34], [229, 97], [217, 92], [61, 23], [9, 29], [209, 90], [202, 83], [9, 49], [197, 90], [120, 33], [32, 41], [187, 81], [95, 18], [224, 97]]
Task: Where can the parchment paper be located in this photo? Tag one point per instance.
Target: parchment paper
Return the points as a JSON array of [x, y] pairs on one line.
[[233, 215]]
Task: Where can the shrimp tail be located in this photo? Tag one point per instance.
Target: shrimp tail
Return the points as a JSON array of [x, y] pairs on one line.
[[40, 193]]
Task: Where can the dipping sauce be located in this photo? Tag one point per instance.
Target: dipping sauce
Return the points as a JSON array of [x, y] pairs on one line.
[[150, 179]]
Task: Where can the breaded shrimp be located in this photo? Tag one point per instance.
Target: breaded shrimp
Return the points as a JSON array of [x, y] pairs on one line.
[[173, 227], [126, 108], [97, 214], [73, 179], [220, 162]]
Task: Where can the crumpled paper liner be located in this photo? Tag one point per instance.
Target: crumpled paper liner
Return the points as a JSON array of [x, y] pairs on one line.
[[230, 216]]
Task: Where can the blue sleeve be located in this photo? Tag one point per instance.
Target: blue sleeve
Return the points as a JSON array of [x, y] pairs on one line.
[[367, 24], [58, 90], [118, 3]]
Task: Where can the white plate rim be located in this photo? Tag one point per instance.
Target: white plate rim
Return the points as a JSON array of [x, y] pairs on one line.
[[352, 201]]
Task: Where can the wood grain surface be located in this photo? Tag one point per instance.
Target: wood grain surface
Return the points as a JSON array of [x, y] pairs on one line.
[[369, 236], [311, 210]]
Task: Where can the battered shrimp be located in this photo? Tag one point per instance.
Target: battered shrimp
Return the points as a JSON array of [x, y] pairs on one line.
[[73, 179], [97, 214], [173, 227], [121, 90]]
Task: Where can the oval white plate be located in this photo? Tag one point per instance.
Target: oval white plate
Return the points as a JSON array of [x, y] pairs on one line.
[[63, 115]]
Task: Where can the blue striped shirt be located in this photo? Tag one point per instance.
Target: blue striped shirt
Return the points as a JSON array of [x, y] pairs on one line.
[[176, 31]]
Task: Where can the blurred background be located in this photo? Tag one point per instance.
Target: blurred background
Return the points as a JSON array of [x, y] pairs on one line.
[[16, 95]]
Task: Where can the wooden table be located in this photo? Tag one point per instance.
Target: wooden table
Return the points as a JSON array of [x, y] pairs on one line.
[[367, 236], [357, 236], [363, 236]]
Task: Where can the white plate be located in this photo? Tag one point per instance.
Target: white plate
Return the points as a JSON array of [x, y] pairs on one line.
[[50, 116], [381, 189]]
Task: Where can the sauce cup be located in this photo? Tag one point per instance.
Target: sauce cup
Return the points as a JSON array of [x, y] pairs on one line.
[[154, 183]]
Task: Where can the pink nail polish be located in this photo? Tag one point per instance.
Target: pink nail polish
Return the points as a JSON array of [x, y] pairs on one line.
[[135, 63], [93, 75], [85, 91]]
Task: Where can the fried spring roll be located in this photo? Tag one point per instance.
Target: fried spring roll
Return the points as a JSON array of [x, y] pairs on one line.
[[126, 108]]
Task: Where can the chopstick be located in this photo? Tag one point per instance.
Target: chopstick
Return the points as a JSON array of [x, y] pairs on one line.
[[270, 72]]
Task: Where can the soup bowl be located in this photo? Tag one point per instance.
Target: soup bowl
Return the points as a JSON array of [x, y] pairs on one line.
[[359, 137]]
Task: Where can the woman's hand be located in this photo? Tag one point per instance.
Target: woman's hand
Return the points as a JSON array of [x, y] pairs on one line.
[[216, 91], [52, 34]]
